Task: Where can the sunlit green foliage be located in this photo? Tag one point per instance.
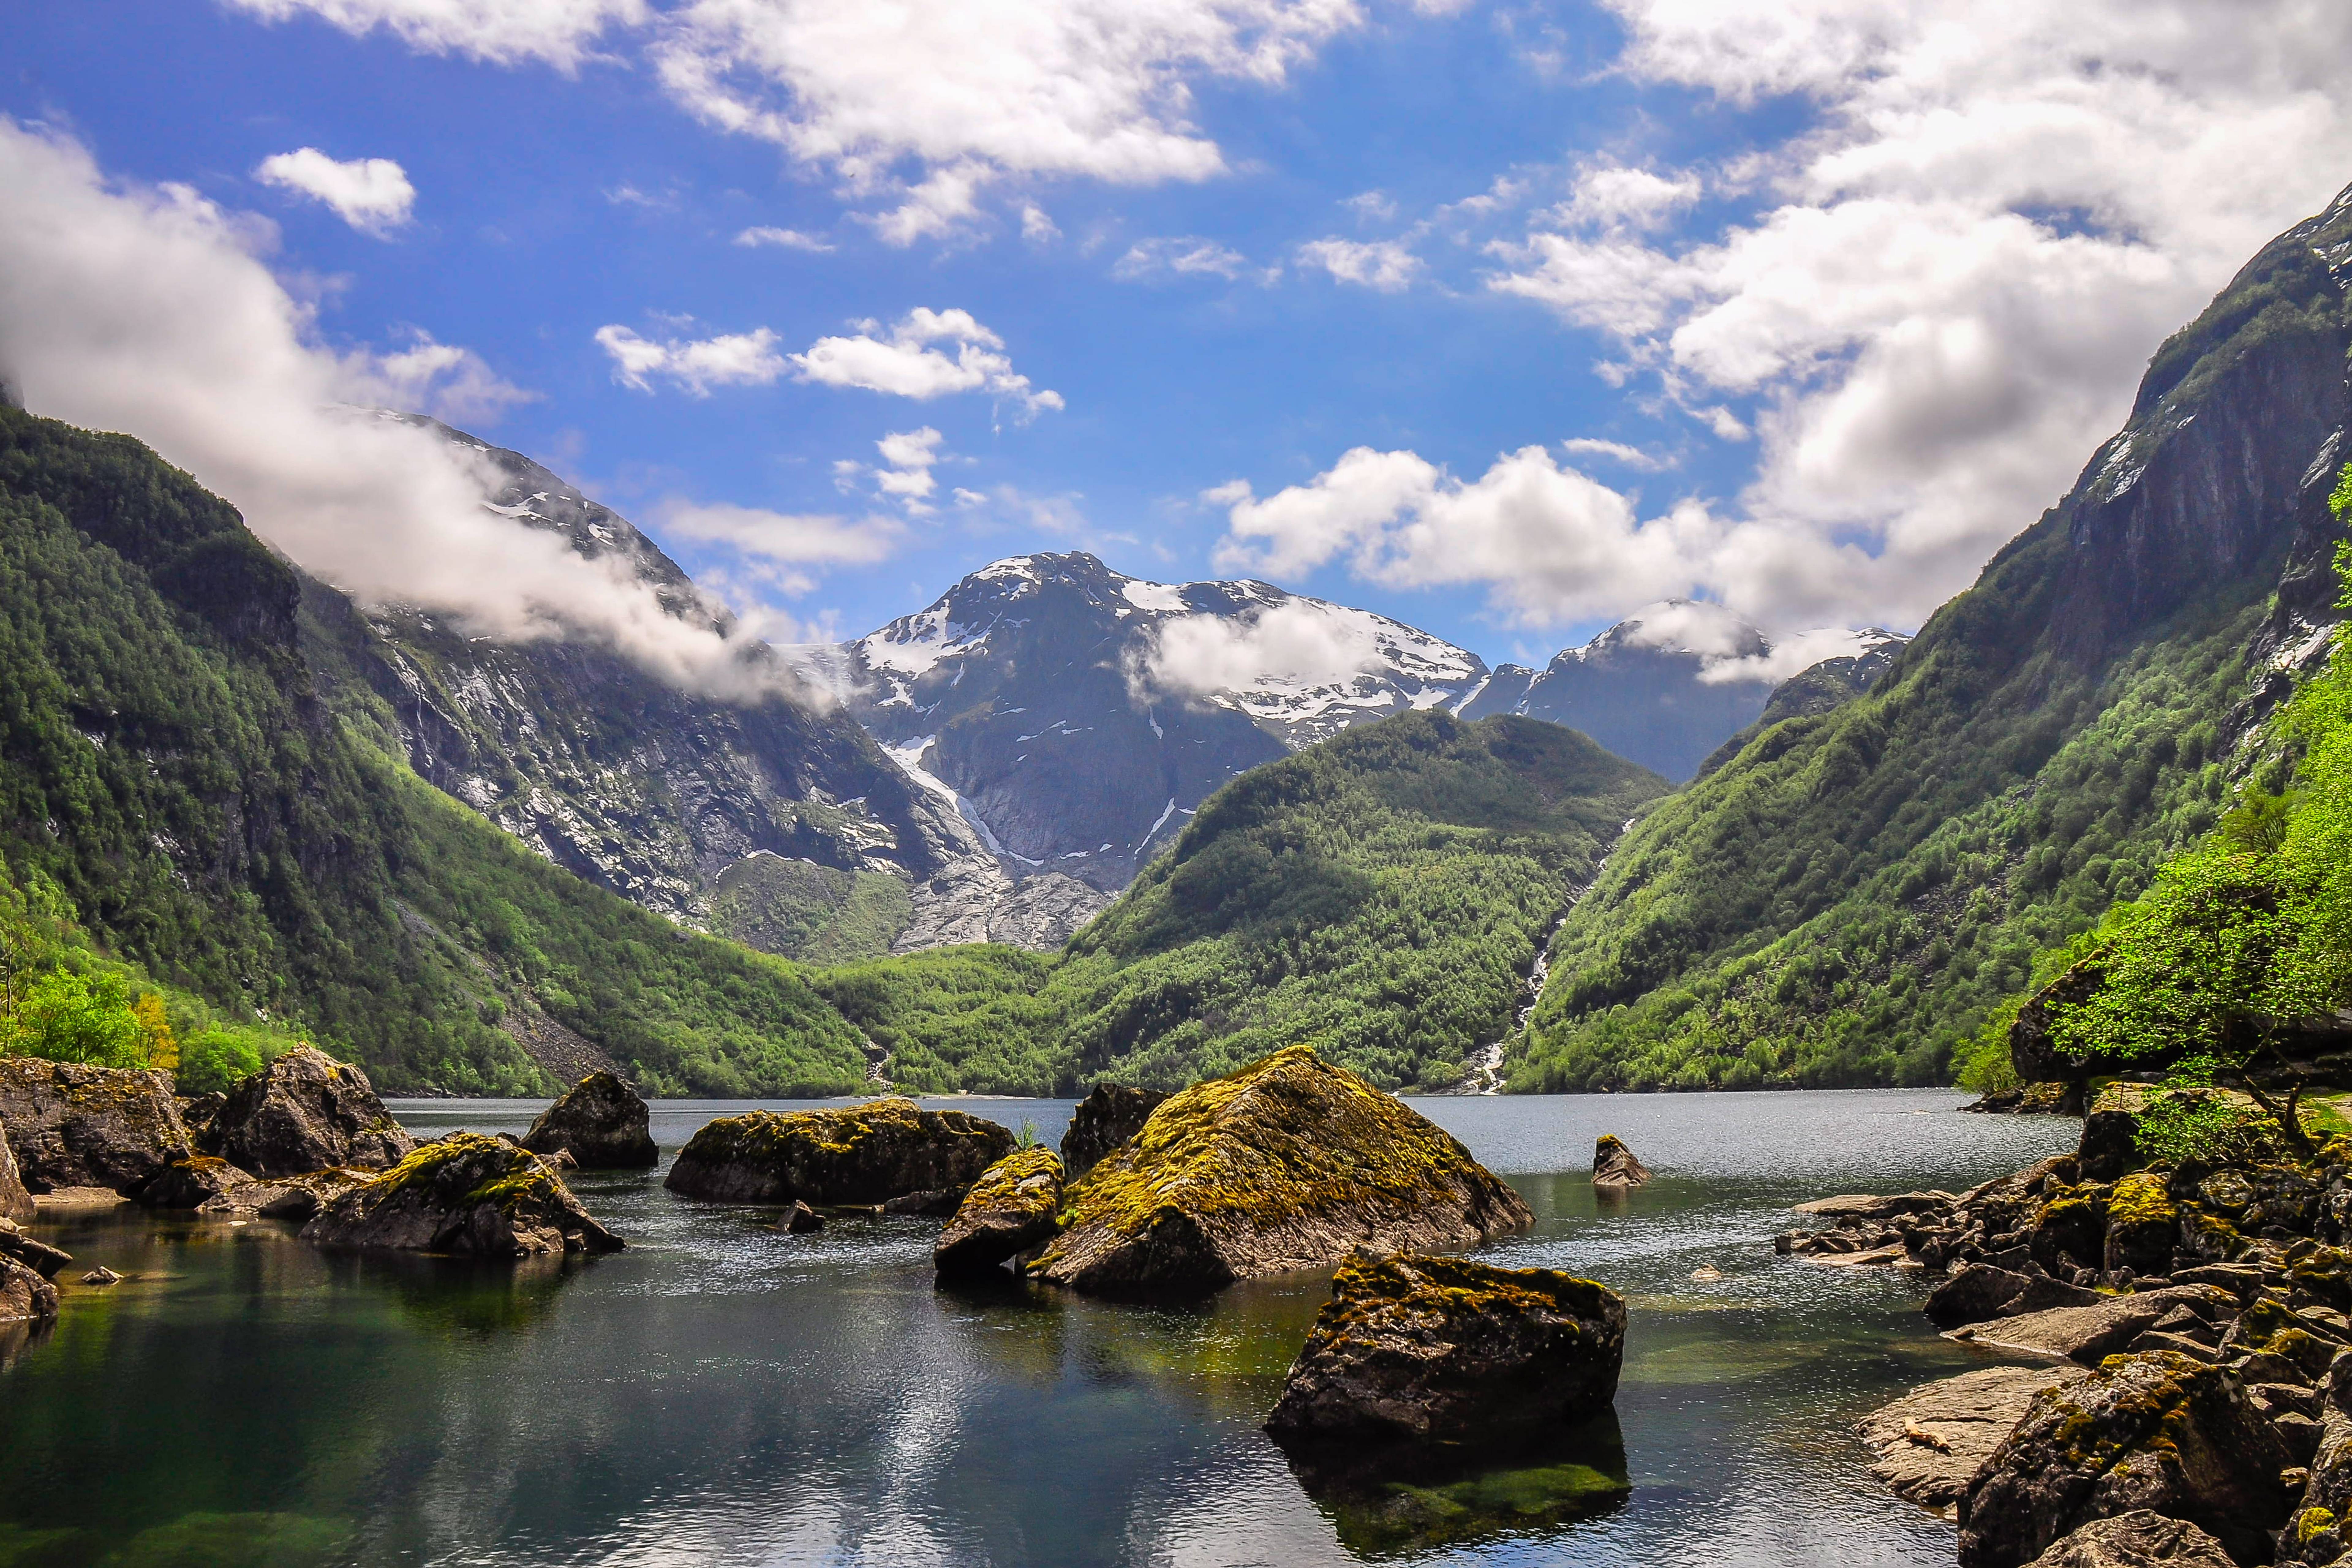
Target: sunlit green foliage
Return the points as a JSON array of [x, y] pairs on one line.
[[1378, 896]]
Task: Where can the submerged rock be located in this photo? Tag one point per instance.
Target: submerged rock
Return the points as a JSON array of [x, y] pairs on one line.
[[15, 1203], [2140, 1539], [1289, 1163], [1614, 1164], [305, 1111], [26, 1297], [75, 1126], [1931, 1441], [1103, 1119], [2160, 1431], [1442, 1349], [601, 1122], [800, 1220], [466, 1193], [1011, 1209], [101, 1276], [939, 1203], [867, 1154]]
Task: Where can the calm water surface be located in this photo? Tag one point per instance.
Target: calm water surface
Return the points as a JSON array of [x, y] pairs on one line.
[[722, 1394]]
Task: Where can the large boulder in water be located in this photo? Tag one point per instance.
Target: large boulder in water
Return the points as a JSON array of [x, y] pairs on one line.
[[1103, 1119], [465, 1194], [867, 1154], [76, 1126], [15, 1203], [601, 1122], [1289, 1163], [2159, 1431], [305, 1111], [1614, 1164], [1443, 1350], [1013, 1207]]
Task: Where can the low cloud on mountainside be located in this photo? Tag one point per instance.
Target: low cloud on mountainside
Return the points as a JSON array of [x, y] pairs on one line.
[[149, 311]]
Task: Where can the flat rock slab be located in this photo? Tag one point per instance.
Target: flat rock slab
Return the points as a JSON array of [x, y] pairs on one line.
[[2090, 1334], [79, 1198], [1930, 1441]]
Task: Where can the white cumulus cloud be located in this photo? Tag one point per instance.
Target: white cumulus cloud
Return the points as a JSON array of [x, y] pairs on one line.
[[561, 33], [372, 194], [697, 364], [1283, 644], [1387, 265], [904, 361], [782, 239], [149, 311], [1177, 256]]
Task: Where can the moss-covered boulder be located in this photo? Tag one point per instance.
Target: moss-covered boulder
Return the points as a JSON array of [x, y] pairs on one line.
[[1012, 1208], [2160, 1431], [466, 1193], [76, 1126], [1103, 1121], [2143, 1224], [601, 1122], [1614, 1166], [15, 1203], [1289, 1163], [1429, 1348], [307, 1112], [866, 1153]]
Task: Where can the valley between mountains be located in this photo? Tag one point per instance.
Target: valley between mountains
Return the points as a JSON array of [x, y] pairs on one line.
[[1063, 823]]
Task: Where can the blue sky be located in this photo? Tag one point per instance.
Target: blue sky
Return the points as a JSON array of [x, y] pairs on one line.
[[1850, 290]]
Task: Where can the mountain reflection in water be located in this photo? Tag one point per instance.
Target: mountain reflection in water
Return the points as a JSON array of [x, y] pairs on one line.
[[723, 1394]]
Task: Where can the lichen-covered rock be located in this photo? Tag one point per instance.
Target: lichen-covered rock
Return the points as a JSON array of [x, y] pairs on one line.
[[76, 1126], [1289, 1163], [15, 1203], [1103, 1119], [305, 1111], [1931, 1441], [601, 1122], [193, 1182], [2161, 1431], [2143, 1224], [1614, 1164], [24, 1296], [1012, 1208], [2140, 1539], [867, 1154], [2317, 1533], [38, 1255], [1440, 1349], [465, 1194]]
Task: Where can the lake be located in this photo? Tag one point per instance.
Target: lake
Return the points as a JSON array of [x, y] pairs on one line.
[[725, 1393]]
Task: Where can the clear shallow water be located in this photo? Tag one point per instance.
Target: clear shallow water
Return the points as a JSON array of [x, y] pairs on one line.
[[722, 1394]]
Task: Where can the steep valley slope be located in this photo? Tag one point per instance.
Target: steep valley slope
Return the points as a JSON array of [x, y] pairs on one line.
[[1845, 899]]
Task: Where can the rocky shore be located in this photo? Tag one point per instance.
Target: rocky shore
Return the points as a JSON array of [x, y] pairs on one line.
[[2186, 1331]]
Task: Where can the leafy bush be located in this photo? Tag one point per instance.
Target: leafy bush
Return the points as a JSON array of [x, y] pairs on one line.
[[69, 1017], [214, 1060]]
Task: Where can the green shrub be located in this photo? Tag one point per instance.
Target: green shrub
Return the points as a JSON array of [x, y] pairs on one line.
[[68, 1017], [214, 1060]]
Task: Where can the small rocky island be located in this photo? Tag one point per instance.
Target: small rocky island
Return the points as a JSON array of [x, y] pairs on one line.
[[2186, 1334]]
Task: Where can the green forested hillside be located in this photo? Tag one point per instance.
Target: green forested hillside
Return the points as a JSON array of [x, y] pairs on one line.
[[1846, 900], [170, 780], [1378, 896]]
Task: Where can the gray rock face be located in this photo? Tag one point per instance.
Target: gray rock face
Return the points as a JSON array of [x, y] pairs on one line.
[[2090, 1334], [601, 1122], [1978, 1291], [867, 1154], [1104, 1119], [15, 1203], [305, 1111], [465, 1194], [2160, 1431], [2137, 1539], [1931, 1441], [24, 1296], [1425, 1348], [1011, 1209], [74, 1126]]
